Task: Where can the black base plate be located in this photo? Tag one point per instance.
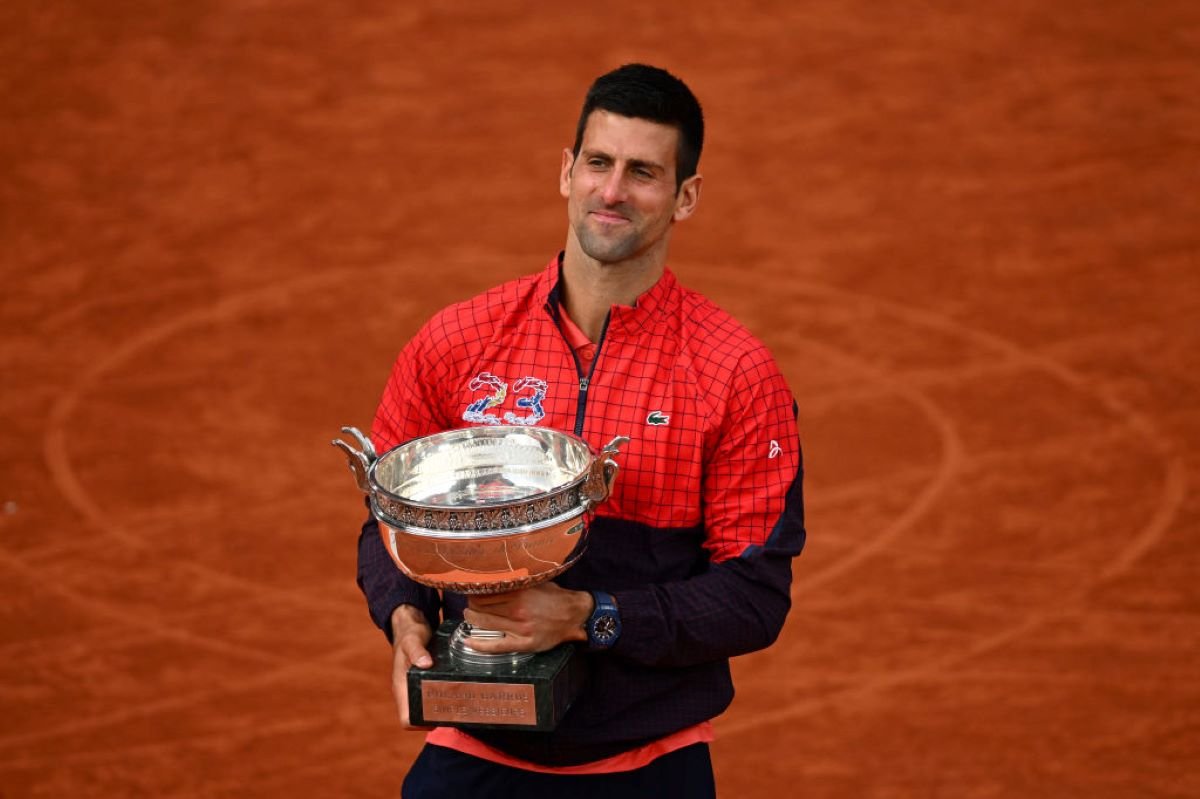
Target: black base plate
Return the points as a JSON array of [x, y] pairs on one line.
[[533, 695]]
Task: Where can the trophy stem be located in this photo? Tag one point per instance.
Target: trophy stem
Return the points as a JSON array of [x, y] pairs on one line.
[[462, 651]]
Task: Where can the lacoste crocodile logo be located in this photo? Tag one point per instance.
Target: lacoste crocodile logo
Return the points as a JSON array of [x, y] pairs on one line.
[[658, 419]]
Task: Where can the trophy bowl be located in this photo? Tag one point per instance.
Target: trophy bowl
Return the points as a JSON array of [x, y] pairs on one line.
[[484, 510]]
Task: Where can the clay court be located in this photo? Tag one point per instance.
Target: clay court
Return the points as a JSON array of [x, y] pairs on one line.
[[969, 235]]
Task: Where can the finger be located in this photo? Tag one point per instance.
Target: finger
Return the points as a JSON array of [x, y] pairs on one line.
[[513, 630], [505, 598], [400, 692], [402, 711], [491, 621], [489, 603], [499, 645], [415, 653]]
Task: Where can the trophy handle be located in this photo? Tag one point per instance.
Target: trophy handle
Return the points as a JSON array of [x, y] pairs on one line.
[[360, 459], [599, 483]]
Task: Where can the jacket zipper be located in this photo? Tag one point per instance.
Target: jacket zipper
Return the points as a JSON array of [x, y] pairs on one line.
[[585, 381]]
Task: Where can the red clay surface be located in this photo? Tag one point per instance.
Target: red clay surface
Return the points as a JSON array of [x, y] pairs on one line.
[[970, 238]]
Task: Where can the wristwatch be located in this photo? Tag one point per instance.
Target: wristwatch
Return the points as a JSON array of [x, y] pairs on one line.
[[604, 625]]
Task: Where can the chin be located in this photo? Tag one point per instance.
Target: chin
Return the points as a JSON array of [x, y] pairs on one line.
[[607, 252]]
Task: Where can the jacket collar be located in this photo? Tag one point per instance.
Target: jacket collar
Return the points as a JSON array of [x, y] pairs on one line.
[[623, 318]]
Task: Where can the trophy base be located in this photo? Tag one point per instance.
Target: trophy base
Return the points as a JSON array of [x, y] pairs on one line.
[[532, 694]]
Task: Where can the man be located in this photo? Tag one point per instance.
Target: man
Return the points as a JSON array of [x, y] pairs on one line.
[[691, 556]]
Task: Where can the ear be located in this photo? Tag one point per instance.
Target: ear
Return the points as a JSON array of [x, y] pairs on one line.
[[687, 198], [564, 175]]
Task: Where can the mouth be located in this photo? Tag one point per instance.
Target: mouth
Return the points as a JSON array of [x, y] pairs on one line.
[[606, 217]]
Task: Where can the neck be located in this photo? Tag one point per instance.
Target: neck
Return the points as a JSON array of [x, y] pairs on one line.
[[589, 287]]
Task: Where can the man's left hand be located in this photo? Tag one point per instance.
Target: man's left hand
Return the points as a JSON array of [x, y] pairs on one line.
[[532, 619]]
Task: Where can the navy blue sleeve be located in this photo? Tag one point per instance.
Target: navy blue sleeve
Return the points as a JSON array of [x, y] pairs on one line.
[[385, 586], [737, 606]]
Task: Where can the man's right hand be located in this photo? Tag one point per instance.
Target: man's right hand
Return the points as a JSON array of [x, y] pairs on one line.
[[410, 639]]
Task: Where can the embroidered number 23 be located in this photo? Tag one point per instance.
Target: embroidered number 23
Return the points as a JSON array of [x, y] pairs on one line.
[[533, 388]]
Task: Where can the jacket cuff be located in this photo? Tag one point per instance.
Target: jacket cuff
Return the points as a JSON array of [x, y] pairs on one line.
[[643, 630]]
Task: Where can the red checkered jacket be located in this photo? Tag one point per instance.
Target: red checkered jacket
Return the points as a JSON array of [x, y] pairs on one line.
[[697, 538]]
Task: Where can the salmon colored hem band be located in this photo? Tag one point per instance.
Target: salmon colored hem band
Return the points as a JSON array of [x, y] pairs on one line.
[[456, 739]]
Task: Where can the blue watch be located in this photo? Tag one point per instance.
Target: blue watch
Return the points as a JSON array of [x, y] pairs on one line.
[[604, 625]]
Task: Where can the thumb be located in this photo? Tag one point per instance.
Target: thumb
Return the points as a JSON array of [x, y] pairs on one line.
[[415, 652]]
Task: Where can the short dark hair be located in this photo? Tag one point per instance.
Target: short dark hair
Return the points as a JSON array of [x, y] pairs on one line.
[[644, 92]]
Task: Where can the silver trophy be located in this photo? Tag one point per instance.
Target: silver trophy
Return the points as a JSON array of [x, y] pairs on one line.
[[485, 510]]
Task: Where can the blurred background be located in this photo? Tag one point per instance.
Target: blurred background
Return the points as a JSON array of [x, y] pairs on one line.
[[967, 232]]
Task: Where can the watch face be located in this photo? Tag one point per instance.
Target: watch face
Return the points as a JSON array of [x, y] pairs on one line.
[[605, 628]]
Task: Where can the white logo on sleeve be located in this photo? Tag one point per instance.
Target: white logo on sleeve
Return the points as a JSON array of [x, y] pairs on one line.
[[774, 451]]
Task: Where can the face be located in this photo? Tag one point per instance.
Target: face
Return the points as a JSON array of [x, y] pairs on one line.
[[620, 189]]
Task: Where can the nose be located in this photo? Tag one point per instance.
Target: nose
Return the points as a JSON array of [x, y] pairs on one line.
[[612, 191]]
